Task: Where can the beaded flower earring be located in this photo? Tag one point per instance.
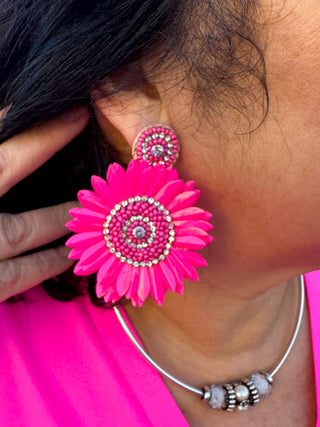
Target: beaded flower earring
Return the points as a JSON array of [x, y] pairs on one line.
[[138, 229]]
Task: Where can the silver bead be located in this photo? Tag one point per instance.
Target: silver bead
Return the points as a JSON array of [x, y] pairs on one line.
[[254, 397], [231, 398], [243, 406]]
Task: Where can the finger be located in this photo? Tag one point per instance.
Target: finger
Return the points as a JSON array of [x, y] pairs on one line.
[[26, 152], [29, 230], [19, 274]]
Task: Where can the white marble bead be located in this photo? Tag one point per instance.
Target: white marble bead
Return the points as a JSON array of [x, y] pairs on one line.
[[218, 397], [262, 384]]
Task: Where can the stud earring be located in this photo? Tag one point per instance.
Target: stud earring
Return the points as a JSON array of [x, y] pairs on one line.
[[156, 145], [139, 229]]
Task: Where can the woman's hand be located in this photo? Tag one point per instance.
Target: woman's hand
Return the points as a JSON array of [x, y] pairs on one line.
[[20, 156]]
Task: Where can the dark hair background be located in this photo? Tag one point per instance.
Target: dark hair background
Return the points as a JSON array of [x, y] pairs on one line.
[[53, 54]]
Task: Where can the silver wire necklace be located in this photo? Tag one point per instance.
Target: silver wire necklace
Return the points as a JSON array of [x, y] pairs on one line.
[[236, 394]]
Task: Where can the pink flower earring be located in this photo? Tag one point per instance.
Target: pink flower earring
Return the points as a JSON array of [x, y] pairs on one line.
[[139, 229]]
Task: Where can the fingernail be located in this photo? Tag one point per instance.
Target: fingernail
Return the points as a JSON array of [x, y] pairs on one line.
[[74, 115]]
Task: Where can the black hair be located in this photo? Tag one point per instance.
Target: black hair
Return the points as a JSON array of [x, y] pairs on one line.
[[55, 54]]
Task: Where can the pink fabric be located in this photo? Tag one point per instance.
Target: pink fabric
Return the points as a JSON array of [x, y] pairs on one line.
[[313, 294], [71, 364]]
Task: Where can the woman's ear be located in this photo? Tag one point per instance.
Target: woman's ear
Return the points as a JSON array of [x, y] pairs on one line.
[[128, 113]]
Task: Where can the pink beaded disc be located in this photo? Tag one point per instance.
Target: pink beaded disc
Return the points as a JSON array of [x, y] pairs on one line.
[[139, 231], [156, 144]]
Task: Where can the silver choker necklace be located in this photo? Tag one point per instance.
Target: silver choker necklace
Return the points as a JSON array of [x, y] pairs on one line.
[[236, 394]]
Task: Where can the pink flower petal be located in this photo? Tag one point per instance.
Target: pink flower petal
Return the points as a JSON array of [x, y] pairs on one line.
[[188, 185], [157, 184], [90, 200], [204, 225], [188, 269], [115, 178], [87, 216], [136, 301], [184, 200], [103, 190], [189, 242], [172, 174], [123, 281], [167, 276], [192, 213], [144, 284], [146, 177], [73, 212], [134, 283], [129, 182], [108, 270], [93, 252], [178, 273], [157, 290], [82, 240], [75, 253], [77, 226], [191, 231], [111, 295], [83, 268], [169, 191], [195, 259]]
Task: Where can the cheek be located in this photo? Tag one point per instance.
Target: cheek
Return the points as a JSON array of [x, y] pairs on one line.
[[293, 63]]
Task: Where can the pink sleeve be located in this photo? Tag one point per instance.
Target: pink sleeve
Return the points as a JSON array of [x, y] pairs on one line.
[[313, 294], [71, 364]]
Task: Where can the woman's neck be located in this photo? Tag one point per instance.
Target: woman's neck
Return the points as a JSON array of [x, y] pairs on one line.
[[217, 333]]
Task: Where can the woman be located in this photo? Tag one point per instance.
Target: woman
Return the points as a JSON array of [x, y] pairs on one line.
[[237, 82]]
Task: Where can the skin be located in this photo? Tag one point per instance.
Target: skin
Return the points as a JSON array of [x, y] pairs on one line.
[[263, 190], [19, 156]]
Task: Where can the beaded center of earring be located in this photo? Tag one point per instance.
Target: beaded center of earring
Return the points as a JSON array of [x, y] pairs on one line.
[[156, 145], [139, 231]]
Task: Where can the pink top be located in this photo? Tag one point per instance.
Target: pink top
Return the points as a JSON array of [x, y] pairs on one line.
[[66, 364]]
